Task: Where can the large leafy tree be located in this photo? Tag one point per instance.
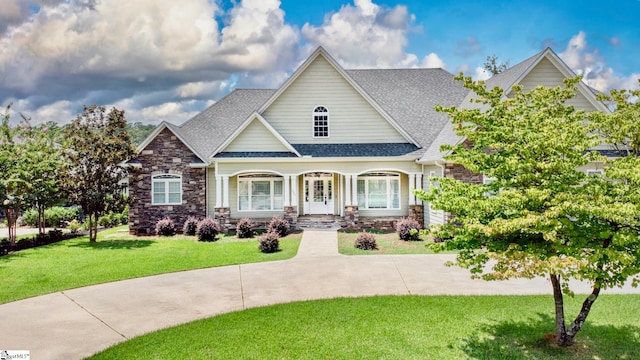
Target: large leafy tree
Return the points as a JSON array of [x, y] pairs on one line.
[[13, 188], [540, 216], [39, 165], [97, 144]]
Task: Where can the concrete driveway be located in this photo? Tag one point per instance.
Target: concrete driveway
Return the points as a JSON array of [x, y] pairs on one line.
[[76, 323]]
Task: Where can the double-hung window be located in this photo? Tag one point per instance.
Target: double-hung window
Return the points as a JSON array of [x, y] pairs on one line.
[[167, 189], [379, 191], [260, 193]]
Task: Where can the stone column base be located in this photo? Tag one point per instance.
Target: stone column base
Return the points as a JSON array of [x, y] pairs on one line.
[[222, 215], [351, 215], [416, 212], [291, 215]]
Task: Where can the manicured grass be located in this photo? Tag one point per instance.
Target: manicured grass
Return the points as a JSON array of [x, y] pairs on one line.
[[388, 243], [407, 327], [117, 256]]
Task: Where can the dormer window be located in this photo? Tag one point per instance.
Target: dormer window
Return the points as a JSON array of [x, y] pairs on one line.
[[320, 122]]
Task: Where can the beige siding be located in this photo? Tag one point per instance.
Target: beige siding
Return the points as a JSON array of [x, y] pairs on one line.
[[298, 167], [255, 137], [211, 191], [546, 74], [351, 118], [431, 216]]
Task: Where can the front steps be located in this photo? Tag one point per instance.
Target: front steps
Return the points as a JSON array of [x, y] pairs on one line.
[[320, 222]]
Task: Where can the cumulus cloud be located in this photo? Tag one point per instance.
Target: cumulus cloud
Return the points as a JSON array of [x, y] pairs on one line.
[[433, 61], [105, 51], [590, 64], [366, 35]]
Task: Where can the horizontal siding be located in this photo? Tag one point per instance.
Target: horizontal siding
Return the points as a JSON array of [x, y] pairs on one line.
[[255, 137], [351, 118], [211, 191], [546, 74], [431, 216], [296, 167]]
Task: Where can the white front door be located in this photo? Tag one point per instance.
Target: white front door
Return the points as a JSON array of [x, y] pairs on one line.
[[318, 194]]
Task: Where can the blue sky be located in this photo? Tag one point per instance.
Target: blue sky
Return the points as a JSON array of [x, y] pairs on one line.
[[166, 60]]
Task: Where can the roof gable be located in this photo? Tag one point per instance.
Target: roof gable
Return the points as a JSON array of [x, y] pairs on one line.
[[342, 83], [255, 135], [175, 131]]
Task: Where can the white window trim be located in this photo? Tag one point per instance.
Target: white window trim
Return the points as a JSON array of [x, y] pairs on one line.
[[388, 177], [313, 122], [249, 179], [166, 179]]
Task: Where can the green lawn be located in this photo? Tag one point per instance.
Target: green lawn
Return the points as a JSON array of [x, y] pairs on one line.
[[117, 256], [407, 327], [388, 243]]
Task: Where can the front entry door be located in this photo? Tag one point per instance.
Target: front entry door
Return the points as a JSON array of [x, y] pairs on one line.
[[318, 194]]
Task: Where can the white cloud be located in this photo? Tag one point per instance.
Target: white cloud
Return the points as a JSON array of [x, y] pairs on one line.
[[366, 35], [433, 61], [479, 73], [591, 65]]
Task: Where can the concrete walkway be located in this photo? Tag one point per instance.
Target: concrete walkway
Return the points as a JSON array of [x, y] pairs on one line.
[[76, 323]]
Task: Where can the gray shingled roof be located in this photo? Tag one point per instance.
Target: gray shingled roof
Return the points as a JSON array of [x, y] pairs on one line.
[[410, 95], [206, 131], [355, 150]]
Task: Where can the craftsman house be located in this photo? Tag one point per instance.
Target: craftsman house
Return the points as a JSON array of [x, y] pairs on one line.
[[348, 145]]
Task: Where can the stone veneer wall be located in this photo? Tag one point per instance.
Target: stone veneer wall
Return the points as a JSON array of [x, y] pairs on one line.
[[459, 172], [165, 154]]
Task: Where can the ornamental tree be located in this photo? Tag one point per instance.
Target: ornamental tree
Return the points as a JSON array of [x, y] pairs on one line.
[[540, 216], [97, 144]]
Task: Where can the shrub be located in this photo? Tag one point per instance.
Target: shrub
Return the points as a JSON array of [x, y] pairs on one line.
[[190, 226], [244, 228], [408, 229], [269, 242], [366, 241], [208, 229], [279, 225], [165, 227], [74, 226], [53, 217], [105, 221]]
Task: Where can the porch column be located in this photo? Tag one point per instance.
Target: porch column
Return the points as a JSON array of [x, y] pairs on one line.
[[225, 191], [412, 185], [294, 190], [419, 186], [354, 189], [287, 198], [347, 190], [218, 191]]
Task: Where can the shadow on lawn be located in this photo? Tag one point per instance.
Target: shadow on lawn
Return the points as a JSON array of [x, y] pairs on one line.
[[115, 244], [534, 340]]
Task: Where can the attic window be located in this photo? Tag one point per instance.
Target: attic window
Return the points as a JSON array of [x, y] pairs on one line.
[[320, 122]]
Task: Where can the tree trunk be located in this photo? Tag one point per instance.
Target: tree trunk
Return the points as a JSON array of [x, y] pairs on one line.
[[41, 219], [565, 337], [93, 228], [561, 330], [576, 325], [10, 214]]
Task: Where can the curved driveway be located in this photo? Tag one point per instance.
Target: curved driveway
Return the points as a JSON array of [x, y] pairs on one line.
[[76, 323]]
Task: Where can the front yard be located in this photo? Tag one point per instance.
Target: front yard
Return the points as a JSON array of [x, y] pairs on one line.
[[389, 243], [117, 256]]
